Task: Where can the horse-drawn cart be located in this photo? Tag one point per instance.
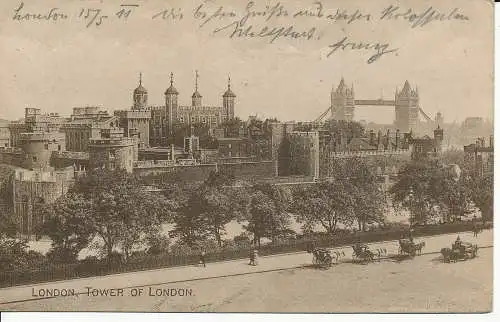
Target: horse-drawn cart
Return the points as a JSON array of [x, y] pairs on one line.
[[322, 257], [459, 251], [408, 247], [361, 253]]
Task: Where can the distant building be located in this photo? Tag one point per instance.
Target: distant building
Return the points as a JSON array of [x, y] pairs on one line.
[[112, 150], [4, 134], [85, 124], [481, 155], [423, 147], [163, 120]]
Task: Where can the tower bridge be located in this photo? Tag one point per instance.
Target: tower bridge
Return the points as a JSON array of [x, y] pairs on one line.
[[406, 104]]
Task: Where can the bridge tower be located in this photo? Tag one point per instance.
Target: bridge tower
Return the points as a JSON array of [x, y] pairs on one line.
[[342, 102], [407, 108]]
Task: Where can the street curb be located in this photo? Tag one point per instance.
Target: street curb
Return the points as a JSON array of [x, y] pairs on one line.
[[211, 277]]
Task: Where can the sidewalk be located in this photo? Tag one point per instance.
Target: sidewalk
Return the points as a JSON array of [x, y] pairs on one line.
[[221, 269]]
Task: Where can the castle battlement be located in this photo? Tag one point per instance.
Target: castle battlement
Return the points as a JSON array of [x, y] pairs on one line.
[[108, 142], [42, 136], [199, 109], [134, 114]]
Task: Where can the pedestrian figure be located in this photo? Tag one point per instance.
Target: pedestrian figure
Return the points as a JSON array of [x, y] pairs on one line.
[[253, 257], [202, 258], [474, 226]]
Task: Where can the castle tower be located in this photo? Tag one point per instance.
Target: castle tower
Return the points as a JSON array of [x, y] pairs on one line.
[[407, 108], [342, 102], [140, 96], [171, 104], [438, 139], [196, 97], [228, 101], [38, 148], [439, 119]]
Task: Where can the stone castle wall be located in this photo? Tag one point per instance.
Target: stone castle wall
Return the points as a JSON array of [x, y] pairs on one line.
[[32, 189]]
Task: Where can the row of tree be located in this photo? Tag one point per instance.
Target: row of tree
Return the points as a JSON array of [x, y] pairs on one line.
[[117, 208], [434, 191]]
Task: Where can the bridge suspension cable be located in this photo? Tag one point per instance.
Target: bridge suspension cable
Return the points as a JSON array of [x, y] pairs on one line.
[[322, 116]]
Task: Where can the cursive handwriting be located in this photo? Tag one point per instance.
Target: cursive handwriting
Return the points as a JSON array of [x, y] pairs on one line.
[[52, 15], [318, 11], [170, 14], [239, 30], [380, 49], [205, 17], [420, 19]]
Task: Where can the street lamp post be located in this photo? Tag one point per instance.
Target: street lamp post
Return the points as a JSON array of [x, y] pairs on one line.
[[410, 197]]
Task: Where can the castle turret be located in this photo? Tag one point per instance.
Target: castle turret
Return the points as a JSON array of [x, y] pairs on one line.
[[140, 96], [171, 105], [196, 97], [407, 108], [228, 101], [438, 139], [342, 102]]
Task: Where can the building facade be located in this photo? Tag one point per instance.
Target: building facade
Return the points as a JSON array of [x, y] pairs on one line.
[[156, 125], [481, 155]]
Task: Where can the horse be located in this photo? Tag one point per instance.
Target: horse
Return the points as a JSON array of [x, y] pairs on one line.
[[407, 246], [419, 247], [381, 252], [338, 255]]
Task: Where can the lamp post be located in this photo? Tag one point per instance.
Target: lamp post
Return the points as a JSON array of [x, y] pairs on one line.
[[410, 197]]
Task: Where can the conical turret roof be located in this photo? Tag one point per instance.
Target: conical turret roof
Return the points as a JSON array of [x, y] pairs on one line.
[[171, 90]]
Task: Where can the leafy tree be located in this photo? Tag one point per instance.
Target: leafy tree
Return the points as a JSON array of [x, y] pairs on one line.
[[482, 194], [426, 185], [360, 183], [190, 225], [325, 204], [66, 225], [267, 212], [8, 227], [411, 191], [349, 129], [157, 242], [370, 205], [210, 208], [120, 209]]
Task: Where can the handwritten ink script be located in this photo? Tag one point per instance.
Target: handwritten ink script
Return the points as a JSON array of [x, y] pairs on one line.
[[272, 22]]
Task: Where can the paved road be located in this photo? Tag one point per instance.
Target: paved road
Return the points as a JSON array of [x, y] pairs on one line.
[[213, 270]]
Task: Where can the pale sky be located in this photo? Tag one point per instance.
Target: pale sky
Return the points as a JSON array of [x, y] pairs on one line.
[[55, 66]]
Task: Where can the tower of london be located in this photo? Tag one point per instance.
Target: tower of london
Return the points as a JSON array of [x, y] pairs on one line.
[[165, 119]]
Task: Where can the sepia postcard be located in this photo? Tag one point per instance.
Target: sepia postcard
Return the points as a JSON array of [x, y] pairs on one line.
[[311, 156]]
